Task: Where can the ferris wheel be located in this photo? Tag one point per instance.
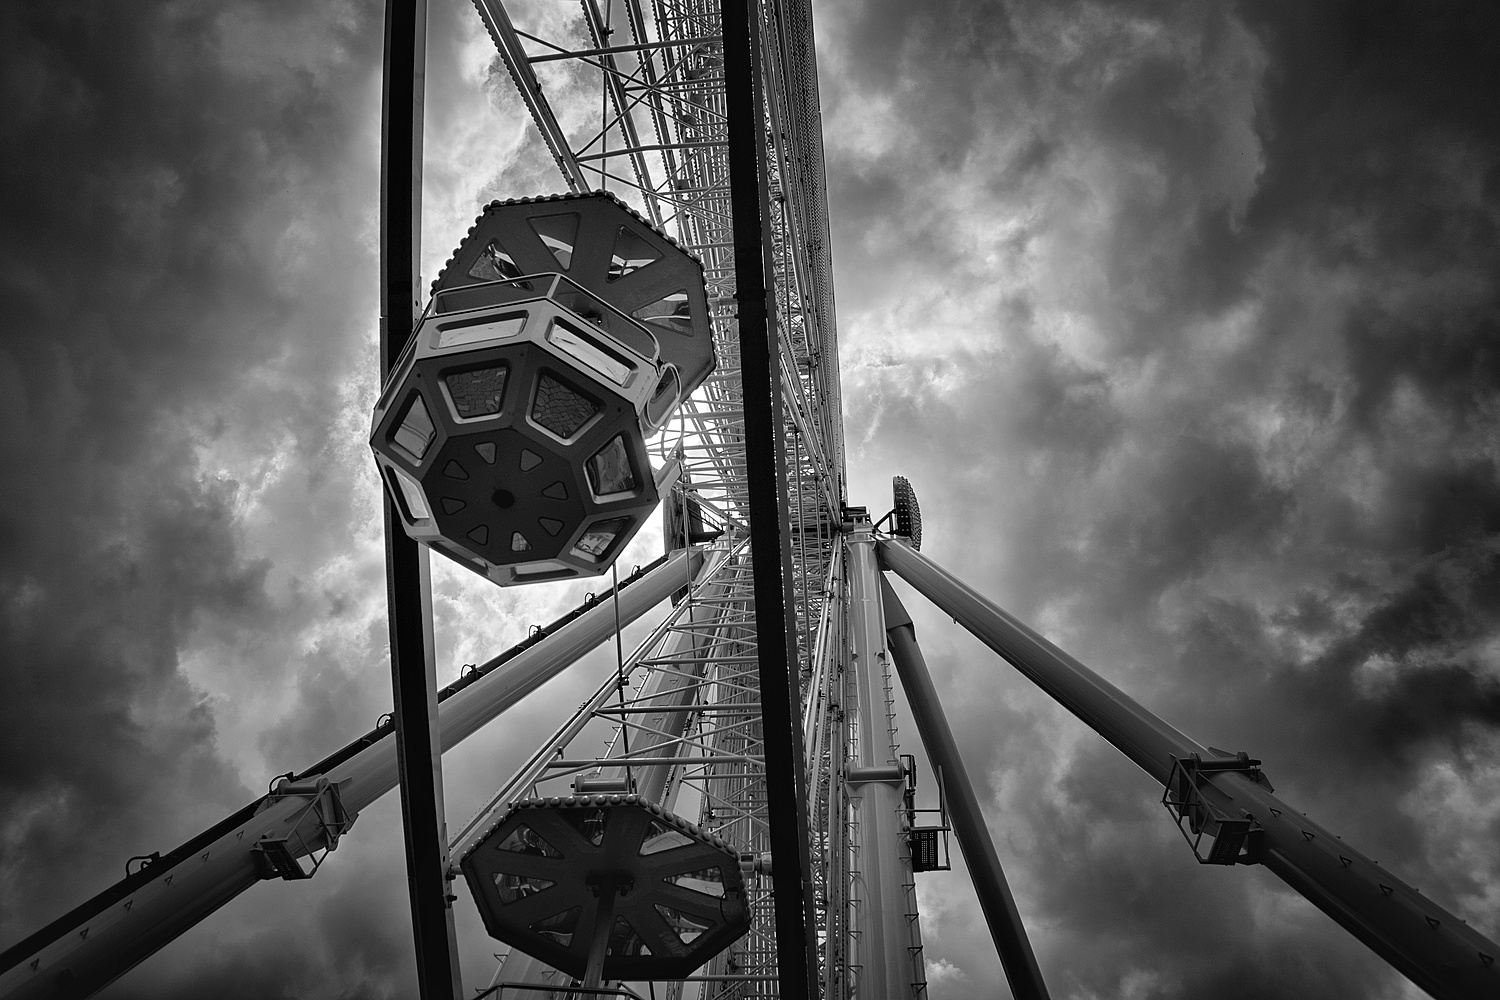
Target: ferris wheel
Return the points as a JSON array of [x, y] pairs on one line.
[[729, 812]]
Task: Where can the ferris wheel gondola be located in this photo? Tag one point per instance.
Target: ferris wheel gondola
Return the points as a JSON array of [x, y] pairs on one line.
[[512, 431]]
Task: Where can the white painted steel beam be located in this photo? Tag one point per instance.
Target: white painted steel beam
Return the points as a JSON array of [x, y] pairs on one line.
[[85, 958]]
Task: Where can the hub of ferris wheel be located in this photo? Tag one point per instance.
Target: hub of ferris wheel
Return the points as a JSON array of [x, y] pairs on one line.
[[905, 518], [512, 432]]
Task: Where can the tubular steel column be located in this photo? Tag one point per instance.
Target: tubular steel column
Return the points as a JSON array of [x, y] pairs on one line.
[[766, 475], [874, 780], [408, 587], [1424, 941], [995, 899], [1141, 736]]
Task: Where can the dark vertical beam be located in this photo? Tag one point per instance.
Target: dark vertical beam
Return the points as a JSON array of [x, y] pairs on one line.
[[408, 587], [995, 899], [770, 532]]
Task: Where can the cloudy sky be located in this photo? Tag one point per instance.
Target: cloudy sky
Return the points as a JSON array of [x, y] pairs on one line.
[[1181, 317]]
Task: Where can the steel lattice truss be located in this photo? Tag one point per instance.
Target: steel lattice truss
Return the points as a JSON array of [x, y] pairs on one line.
[[658, 138]]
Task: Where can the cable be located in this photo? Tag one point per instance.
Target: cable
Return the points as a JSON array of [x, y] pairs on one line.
[[620, 676]]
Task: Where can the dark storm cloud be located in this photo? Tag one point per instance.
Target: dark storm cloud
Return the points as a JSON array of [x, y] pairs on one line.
[[1188, 312], [191, 584], [1378, 145], [166, 200]]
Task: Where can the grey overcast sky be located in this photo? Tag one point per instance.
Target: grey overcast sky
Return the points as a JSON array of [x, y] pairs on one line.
[[1182, 317]]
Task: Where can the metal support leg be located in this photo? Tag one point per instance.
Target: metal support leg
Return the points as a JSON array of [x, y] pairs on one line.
[[1424, 941], [1139, 735], [995, 899], [873, 781]]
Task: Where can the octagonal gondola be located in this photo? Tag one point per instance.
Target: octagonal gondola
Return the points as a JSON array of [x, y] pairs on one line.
[[512, 431], [611, 878]]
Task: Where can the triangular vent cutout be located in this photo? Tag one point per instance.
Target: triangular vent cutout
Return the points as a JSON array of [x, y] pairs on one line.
[[560, 233], [631, 254], [672, 313], [494, 264]]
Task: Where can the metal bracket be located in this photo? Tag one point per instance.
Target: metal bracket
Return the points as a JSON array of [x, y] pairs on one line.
[[315, 830], [928, 845], [1231, 839]]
